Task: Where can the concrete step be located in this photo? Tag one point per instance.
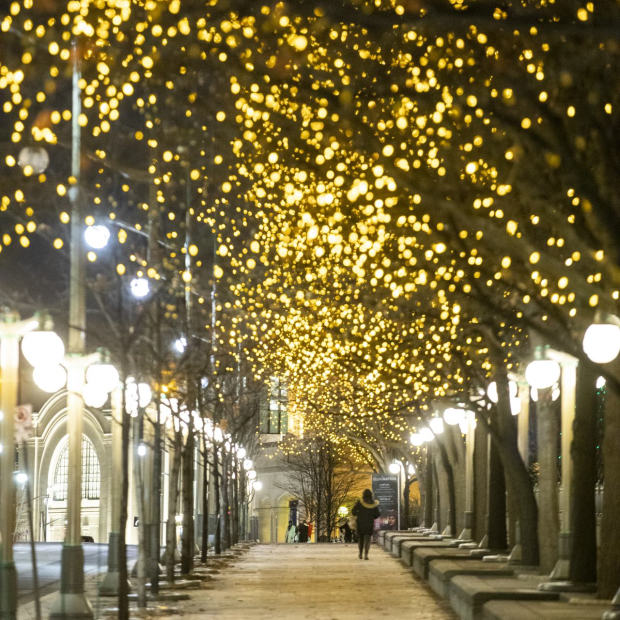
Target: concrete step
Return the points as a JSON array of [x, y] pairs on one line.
[[423, 557], [543, 610], [467, 594]]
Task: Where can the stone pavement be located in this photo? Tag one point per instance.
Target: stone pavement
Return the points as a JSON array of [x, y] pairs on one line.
[[315, 582]]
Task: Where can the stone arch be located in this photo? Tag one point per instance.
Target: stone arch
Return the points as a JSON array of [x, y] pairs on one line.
[[51, 432]]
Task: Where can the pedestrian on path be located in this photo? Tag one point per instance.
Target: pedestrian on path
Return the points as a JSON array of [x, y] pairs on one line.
[[366, 510], [291, 533], [303, 532]]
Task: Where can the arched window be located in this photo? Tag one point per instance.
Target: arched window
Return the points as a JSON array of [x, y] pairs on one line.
[[91, 473]]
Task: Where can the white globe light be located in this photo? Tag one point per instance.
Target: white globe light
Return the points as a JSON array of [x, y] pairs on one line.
[[426, 434], [247, 464], [252, 475], [180, 344], [436, 425], [542, 374], [139, 287], [50, 377], [394, 467], [43, 348], [416, 439], [97, 236], [241, 453], [492, 391], [600, 383], [34, 156], [103, 375], [601, 342], [141, 449], [94, 396], [257, 485], [453, 416]]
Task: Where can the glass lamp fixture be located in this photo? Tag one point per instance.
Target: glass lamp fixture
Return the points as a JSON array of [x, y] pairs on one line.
[[394, 467], [600, 383], [43, 348], [257, 485], [97, 236], [542, 374], [36, 157], [492, 391], [241, 453], [251, 475], [139, 287], [426, 434], [102, 374], [416, 439], [601, 342], [94, 396], [50, 377], [436, 425], [247, 464], [453, 416]]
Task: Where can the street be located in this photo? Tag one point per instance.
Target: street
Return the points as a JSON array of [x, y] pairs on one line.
[[48, 564]]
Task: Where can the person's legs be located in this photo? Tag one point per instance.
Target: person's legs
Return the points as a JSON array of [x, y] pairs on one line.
[[360, 544], [366, 545]]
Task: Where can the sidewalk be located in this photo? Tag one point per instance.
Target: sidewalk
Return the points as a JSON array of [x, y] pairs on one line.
[[315, 582]]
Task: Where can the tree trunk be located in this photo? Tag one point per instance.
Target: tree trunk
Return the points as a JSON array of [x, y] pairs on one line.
[[218, 502], [204, 547], [173, 495], [123, 576], [156, 509], [187, 537], [481, 480], [451, 492], [140, 504], [235, 503], [548, 503], [609, 559], [428, 489], [226, 499], [583, 453], [496, 528], [505, 438]]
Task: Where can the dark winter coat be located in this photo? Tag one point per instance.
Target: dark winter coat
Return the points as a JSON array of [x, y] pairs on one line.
[[366, 515]]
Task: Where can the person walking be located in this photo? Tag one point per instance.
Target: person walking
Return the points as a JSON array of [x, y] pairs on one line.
[[366, 510], [291, 533]]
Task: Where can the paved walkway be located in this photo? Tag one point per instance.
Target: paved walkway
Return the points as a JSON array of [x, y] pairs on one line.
[[317, 582]]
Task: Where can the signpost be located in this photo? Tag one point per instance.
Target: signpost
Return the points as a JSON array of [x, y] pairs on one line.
[[385, 489]]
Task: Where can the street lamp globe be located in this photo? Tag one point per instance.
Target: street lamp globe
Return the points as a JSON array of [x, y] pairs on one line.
[[33, 159], [416, 439], [94, 396], [453, 416], [241, 453], [426, 434], [542, 374], [102, 374], [394, 467], [97, 236], [601, 342], [247, 464], [50, 377], [139, 287], [251, 475], [436, 425], [257, 485], [43, 348]]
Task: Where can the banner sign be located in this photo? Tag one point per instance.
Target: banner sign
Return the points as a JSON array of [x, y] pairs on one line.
[[385, 489]]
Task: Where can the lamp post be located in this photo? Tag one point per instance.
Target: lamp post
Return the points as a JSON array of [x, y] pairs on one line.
[[84, 374], [12, 329]]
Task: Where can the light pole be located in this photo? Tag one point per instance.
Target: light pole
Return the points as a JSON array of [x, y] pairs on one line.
[[12, 329], [84, 374]]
